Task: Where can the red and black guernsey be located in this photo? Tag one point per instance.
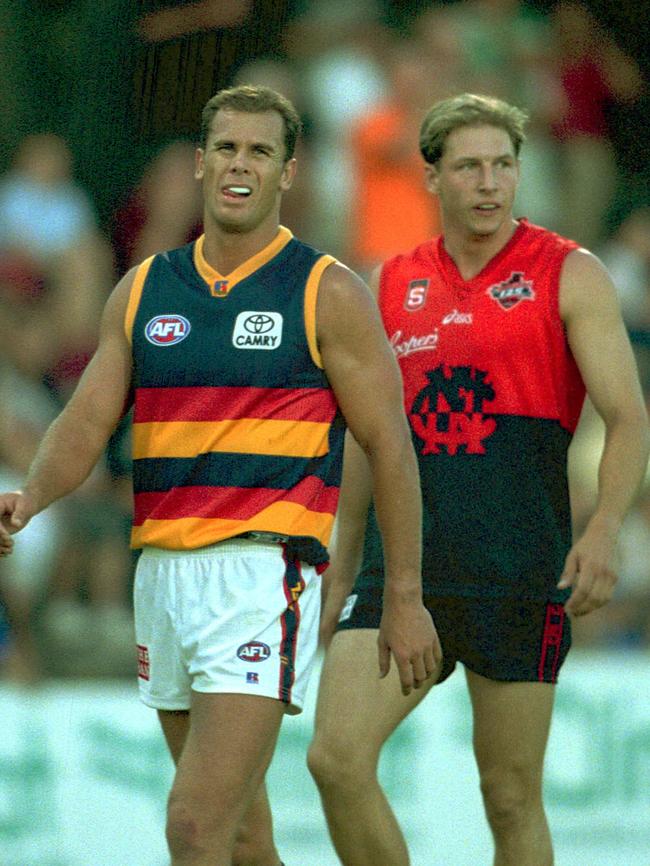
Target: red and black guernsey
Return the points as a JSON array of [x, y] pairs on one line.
[[235, 428], [493, 396]]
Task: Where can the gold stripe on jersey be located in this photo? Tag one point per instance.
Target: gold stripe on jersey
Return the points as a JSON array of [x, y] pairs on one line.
[[212, 276], [135, 295], [240, 436], [311, 297], [189, 532]]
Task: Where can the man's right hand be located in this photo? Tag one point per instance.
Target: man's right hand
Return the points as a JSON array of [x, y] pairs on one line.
[[15, 513], [407, 632]]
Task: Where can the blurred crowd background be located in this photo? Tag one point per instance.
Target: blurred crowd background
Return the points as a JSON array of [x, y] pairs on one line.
[[100, 104]]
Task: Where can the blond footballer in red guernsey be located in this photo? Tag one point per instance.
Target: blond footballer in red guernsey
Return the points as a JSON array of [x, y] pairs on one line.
[[499, 328]]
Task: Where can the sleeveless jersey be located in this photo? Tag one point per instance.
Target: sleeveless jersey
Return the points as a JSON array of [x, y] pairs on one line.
[[235, 428], [493, 395]]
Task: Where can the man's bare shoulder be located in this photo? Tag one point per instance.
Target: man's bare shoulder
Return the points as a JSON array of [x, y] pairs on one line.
[[117, 304], [340, 282], [344, 301], [584, 279], [122, 289]]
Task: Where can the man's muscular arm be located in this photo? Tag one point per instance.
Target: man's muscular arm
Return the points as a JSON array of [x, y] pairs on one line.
[[600, 345], [364, 375]]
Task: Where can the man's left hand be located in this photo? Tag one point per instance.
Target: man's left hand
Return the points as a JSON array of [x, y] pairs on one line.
[[589, 571]]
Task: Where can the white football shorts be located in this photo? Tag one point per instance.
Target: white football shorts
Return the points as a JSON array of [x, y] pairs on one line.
[[234, 617]]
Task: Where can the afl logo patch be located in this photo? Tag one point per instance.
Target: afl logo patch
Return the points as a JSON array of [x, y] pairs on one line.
[[257, 330], [167, 330], [255, 651]]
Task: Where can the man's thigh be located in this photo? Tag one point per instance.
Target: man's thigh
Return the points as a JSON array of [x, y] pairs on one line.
[[356, 710], [229, 745], [511, 724], [175, 725], [255, 833]]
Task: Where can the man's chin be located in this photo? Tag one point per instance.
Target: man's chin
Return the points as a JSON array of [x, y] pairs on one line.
[[484, 233]]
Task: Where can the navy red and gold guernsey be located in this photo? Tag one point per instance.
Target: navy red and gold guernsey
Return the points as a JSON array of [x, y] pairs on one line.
[[493, 396], [235, 427]]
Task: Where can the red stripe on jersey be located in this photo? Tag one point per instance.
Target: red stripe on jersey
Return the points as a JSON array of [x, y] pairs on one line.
[[224, 403], [235, 503]]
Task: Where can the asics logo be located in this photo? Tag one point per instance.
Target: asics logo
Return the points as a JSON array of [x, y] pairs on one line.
[[457, 318]]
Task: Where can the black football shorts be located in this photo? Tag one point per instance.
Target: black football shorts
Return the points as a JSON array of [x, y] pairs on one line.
[[508, 639]]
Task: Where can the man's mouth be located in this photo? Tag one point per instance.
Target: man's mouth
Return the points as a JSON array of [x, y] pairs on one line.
[[237, 191]]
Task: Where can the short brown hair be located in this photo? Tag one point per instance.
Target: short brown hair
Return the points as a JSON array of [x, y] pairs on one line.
[[469, 109], [254, 100]]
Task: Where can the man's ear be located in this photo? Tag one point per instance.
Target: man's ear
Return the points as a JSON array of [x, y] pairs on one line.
[[198, 164], [431, 178], [288, 174]]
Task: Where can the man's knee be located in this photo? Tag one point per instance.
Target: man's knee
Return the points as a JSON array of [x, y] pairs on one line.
[[196, 825], [510, 796], [250, 854], [253, 849], [332, 766], [185, 833]]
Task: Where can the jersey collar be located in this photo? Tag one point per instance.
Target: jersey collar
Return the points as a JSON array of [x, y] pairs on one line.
[[221, 284]]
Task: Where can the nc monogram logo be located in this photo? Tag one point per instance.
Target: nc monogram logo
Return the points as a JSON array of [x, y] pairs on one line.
[[448, 412]]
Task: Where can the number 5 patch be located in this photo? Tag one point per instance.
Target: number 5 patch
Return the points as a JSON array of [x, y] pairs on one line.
[[416, 295]]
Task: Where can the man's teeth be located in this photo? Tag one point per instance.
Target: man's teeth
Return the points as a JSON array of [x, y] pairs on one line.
[[239, 190], [487, 207]]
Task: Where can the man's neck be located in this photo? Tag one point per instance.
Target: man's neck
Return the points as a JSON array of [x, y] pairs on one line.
[[472, 253], [225, 251]]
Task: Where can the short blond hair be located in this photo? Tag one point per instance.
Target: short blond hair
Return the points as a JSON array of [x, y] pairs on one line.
[[469, 109]]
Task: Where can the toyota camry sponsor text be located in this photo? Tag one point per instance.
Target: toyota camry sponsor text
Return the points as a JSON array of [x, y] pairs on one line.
[[257, 330]]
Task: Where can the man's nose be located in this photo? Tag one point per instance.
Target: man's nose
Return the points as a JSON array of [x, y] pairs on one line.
[[239, 161], [488, 177]]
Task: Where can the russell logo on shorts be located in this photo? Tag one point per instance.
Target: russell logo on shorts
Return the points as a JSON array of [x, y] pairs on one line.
[[254, 651]]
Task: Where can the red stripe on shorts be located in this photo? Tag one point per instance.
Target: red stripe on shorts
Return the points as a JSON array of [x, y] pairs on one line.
[[551, 641], [293, 586]]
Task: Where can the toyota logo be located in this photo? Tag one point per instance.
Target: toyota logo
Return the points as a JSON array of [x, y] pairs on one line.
[[258, 324]]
